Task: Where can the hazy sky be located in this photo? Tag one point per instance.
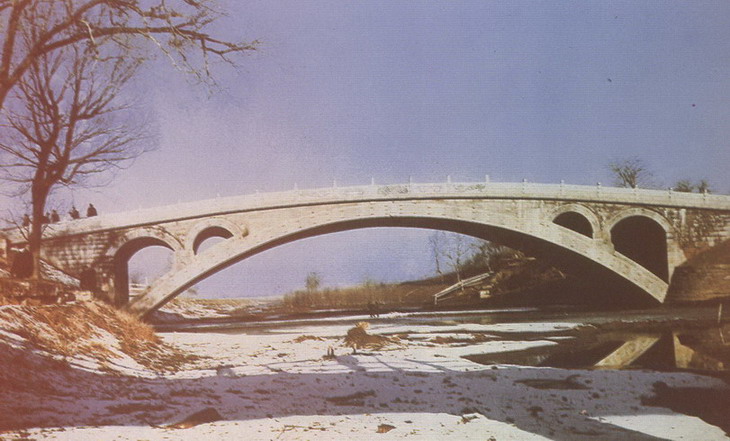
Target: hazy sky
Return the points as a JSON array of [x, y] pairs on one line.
[[346, 91]]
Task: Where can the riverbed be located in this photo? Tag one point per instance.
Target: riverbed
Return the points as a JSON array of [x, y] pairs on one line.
[[437, 375]]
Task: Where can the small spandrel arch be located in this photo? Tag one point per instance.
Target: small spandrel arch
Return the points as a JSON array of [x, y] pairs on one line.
[[209, 233], [576, 222], [122, 259], [643, 240]]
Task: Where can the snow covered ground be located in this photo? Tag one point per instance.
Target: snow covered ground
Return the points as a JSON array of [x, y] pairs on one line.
[[276, 384]]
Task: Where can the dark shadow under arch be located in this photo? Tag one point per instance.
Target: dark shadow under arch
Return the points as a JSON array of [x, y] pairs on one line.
[[576, 222], [208, 233], [644, 241], [121, 265], [601, 281]]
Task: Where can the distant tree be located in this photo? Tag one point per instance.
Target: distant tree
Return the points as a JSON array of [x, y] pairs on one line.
[[369, 282], [485, 255], [684, 186], [452, 251], [313, 282], [491, 257], [436, 245], [631, 173]]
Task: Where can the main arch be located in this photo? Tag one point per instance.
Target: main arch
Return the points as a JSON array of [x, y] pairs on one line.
[[568, 249]]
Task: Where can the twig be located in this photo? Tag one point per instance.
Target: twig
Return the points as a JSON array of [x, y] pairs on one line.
[[719, 313], [288, 427]]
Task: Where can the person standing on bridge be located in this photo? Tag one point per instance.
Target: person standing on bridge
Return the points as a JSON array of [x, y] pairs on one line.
[[91, 211], [74, 213], [55, 217]]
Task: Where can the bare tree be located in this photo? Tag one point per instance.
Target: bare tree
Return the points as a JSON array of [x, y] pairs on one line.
[[684, 186], [66, 123], [631, 173], [33, 29], [492, 257], [313, 282], [435, 240], [704, 186], [452, 251]]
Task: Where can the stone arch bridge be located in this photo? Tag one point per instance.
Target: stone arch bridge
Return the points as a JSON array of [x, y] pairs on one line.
[[629, 238]]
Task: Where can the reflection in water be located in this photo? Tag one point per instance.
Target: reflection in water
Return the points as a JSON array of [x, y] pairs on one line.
[[628, 352], [697, 349], [707, 349]]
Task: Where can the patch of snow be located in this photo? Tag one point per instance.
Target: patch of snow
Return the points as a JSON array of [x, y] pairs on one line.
[[667, 426], [418, 426]]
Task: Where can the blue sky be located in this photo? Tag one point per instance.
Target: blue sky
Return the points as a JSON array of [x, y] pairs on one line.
[[346, 91], [536, 90]]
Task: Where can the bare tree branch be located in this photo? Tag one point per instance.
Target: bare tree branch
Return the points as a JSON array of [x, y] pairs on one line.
[[68, 123], [631, 172], [178, 28]]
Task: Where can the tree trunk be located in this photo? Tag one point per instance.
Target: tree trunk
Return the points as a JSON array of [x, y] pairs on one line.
[[39, 195]]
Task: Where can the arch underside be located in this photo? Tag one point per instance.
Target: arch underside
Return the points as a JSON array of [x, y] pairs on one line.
[[121, 261], [644, 241], [208, 233], [568, 250], [576, 222]]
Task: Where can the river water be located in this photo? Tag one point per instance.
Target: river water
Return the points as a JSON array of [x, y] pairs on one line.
[[666, 338]]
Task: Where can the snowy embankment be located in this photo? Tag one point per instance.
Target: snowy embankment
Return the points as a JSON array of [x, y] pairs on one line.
[[278, 384]]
